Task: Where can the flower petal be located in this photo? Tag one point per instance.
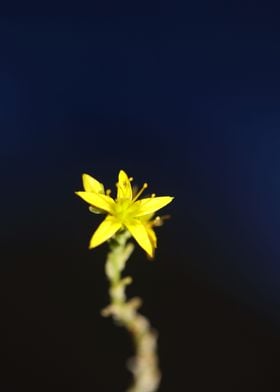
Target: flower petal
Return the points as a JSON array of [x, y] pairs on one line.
[[148, 222], [152, 236], [150, 204], [92, 185], [103, 202], [124, 186], [138, 230], [105, 230]]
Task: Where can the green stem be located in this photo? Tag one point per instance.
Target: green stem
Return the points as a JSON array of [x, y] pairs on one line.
[[144, 365]]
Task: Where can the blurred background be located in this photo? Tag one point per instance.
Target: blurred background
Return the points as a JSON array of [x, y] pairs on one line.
[[185, 96]]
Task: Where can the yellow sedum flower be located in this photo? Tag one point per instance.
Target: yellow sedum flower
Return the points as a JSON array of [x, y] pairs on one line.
[[125, 212]]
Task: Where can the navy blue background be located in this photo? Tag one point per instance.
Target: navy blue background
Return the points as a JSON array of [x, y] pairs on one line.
[[186, 98]]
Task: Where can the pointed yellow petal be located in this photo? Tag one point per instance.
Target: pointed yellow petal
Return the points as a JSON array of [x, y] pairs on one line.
[[124, 186], [152, 236], [105, 230], [148, 222], [92, 185], [139, 232], [151, 204], [103, 202]]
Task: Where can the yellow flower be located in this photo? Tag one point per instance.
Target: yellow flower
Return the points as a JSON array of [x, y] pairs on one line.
[[125, 212]]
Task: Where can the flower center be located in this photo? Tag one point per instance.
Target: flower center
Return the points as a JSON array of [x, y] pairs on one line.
[[122, 209]]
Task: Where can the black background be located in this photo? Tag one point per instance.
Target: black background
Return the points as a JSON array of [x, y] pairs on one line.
[[186, 97]]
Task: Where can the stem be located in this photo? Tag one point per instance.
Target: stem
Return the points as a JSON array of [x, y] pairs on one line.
[[144, 365]]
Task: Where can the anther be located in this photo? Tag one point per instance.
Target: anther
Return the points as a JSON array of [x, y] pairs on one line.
[[159, 220], [108, 192], [131, 179]]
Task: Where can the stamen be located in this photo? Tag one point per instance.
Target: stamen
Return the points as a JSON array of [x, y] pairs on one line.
[[159, 220], [108, 192], [131, 179], [145, 185], [153, 195]]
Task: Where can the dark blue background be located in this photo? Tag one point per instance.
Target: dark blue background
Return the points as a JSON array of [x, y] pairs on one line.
[[185, 97]]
